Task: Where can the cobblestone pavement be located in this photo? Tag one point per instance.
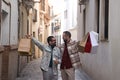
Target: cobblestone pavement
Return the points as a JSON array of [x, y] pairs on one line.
[[32, 72]]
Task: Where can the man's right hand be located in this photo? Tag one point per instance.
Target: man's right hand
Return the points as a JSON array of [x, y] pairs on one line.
[[28, 36], [56, 61]]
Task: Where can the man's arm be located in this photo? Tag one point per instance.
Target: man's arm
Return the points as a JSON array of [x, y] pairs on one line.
[[57, 56], [40, 45], [78, 46]]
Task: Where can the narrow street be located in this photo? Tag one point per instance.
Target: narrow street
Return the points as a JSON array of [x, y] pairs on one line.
[[94, 24], [32, 72]]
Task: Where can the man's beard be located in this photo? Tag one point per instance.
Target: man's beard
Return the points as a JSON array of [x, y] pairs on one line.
[[65, 40], [53, 45]]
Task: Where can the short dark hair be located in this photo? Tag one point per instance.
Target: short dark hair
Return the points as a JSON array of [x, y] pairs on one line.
[[67, 33], [49, 38]]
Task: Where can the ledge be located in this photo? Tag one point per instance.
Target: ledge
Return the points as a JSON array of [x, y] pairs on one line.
[[1, 49], [14, 47]]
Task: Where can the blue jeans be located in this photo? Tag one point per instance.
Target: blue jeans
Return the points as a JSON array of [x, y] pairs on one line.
[[49, 75]]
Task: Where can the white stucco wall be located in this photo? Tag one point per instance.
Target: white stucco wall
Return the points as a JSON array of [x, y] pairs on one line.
[[5, 24], [98, 65], [114, 32], [7, 1], [71, 7], [14, 22], [9, 28]]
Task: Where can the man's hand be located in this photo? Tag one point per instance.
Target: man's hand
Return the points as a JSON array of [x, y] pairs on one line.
[[56, 61], [28, 36]]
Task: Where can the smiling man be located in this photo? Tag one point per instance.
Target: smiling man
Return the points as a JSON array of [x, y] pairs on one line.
[[50, 59]]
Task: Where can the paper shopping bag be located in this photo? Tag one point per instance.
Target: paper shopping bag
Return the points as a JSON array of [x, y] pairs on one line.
[[24, 45], [82, 43], [88, 45], [94, 41], [94, 38]]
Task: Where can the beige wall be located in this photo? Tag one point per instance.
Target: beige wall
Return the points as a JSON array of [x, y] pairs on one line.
[[35, 26], [23, 22], [13, 64], [74, 34], [0, 64]]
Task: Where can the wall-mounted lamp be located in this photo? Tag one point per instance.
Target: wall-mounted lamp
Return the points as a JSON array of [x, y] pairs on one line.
[[82, 2]]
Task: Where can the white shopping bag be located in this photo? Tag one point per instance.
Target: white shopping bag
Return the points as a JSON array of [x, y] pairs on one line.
[[94, 41]]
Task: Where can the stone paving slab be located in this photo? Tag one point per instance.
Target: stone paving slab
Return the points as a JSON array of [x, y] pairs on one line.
[[33, 72]]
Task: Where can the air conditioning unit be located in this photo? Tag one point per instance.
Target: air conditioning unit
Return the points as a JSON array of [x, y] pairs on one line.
[[82, 2]]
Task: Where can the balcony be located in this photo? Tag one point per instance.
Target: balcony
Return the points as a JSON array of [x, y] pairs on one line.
[[28, 3]]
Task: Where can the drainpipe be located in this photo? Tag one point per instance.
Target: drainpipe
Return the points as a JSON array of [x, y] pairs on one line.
[[9, 4], [0, 12], [18, 20]]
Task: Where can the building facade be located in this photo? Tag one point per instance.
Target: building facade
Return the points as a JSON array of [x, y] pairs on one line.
[[8, 39], [40, 27], [63, 18], [101, 16]]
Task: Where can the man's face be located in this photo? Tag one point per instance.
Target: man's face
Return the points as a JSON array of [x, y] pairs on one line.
[[65, 37], [53, 42]]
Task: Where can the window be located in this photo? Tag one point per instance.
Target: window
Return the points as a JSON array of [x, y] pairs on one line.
[[33, 34], [98, 14], [27, 26], [0, 21], [84, 22], [52, 27], [43, 5], [40, 21], [49, 10], [34, 15], [106, 19]]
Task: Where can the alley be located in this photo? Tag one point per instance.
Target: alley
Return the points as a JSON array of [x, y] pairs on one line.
[[43, 18], [32, 72]]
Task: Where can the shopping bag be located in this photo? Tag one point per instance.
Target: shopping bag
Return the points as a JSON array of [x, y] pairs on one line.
[[82, 43], [24, 45], [94, 38], [88, 45], [94, 41]]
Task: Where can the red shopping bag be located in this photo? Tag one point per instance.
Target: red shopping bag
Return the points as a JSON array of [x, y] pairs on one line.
[[88, 45]]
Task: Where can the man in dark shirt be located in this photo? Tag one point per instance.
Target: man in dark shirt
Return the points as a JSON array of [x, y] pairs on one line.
[[50, 58], [69, 47]]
